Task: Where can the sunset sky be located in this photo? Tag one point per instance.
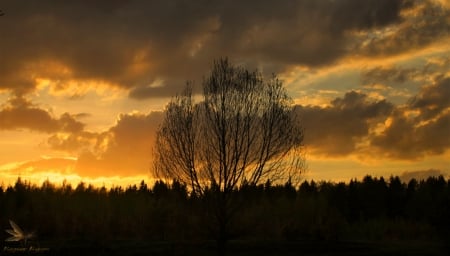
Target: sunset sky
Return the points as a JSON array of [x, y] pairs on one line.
[[83, 83]]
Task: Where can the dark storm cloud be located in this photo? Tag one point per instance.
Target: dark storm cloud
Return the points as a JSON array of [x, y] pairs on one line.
[[300, 32], [433, 99], [426, 132], [19, 113], [405, 138], [427, 25], [336, 130], [433, 69], [133, 43], [388, 75]]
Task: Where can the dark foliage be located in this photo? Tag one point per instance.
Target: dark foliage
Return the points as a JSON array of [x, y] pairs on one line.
[[372, 209]]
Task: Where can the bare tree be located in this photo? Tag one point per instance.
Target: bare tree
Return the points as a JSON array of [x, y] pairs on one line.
[[243, 131]]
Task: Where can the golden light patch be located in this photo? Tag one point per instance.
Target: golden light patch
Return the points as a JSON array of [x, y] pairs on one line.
[[73, 88], [104, 142], [47, 73], [59, 170], [306, 76], [380, 127], [402, 92], [157, 83], [42, 83], [377, 86], [58, 179], [57, 79], [388, 122], [10, 166], [374, 95], [205, 34], [435, 118], [49, 67], [196, 47], [414, 10], [20, 145], [329, 92], [292, 73], [411, 113], [314, 100], [437, 48], [140, 64], [47, 157], [444, 3]]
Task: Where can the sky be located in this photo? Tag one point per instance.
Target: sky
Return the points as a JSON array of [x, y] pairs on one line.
[[83, 84]]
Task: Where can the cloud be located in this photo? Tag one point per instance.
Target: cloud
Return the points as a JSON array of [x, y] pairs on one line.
[[434, 68], [426, 23], [354, 124], [357, 124], [433, 99], [420, 128], [382, 74], [337, 130], [124, 150], [73, 142], [19, 113], [60, 165], [422, 174], [405, 138], [133, 44]]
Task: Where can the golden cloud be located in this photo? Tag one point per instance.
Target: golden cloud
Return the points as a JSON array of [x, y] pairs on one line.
[[20, 113]]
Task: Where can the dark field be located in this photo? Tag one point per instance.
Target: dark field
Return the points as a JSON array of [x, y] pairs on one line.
[[260, 248]]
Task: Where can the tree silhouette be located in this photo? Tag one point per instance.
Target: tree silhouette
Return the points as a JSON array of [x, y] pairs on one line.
[[243, 131], [169, 220]]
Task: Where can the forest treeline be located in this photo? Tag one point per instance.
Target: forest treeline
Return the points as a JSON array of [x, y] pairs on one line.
[[370, 209]]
